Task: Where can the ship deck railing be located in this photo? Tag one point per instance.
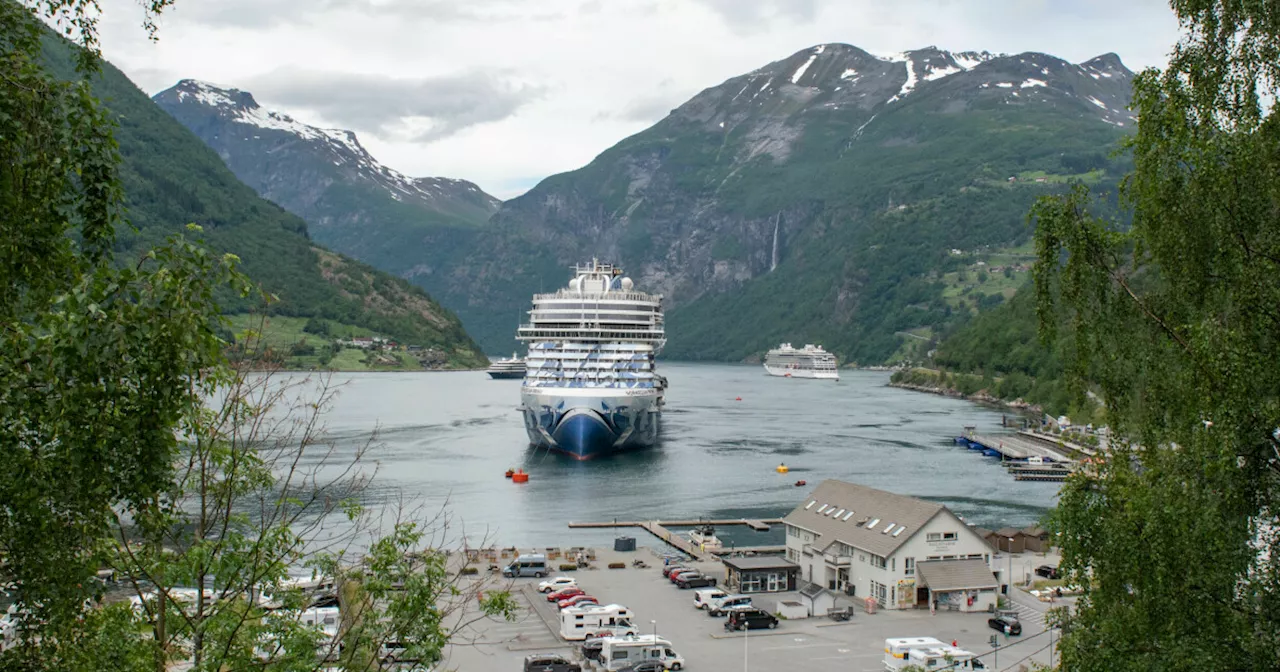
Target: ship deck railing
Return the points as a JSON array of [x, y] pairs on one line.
[[616, 295]]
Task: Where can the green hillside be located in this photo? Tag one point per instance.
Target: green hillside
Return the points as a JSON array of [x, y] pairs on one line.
[[821, 199], [171, 178]]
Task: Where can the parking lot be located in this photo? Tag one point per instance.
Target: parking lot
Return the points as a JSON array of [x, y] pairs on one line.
[[796, 645]]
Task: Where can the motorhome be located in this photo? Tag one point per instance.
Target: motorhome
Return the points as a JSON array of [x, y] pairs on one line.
[[927, 653], [610, 620], [526, 565], [619, 652]]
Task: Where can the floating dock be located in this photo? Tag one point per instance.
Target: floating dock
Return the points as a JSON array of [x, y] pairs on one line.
[[659, 529]]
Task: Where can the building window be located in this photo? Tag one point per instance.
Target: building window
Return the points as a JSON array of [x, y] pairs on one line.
[[934, 536], [793, 531], [877, 561], [893, 564], [948, 536], [880, 592], [862, 557], [909, 566]]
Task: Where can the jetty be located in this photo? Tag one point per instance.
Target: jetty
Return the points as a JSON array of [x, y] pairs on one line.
[[659, 529], [1017, 447]]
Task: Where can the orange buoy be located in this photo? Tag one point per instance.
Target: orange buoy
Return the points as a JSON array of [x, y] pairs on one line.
[[799, 483], [510, 473], [520, 477], [737, 398]]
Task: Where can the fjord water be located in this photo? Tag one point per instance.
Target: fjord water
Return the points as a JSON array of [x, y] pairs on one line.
[[447, 438]]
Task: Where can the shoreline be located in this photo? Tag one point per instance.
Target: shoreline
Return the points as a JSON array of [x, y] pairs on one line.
[[980, 397]]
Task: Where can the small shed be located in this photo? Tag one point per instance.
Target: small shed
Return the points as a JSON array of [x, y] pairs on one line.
[[1009, 540], [958, 585], [1036, 539], [761, 574]]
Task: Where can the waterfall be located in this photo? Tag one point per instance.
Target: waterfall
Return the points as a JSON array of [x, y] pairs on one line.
[[773, 260]]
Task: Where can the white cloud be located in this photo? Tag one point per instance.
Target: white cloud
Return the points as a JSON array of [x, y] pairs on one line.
[[504, 92]]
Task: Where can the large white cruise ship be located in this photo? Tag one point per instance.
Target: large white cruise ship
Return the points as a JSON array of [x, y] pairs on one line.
[[811, 361], [590, 386]]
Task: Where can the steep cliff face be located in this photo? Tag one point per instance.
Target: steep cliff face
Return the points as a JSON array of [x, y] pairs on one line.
[[351, 202], [815, 198]]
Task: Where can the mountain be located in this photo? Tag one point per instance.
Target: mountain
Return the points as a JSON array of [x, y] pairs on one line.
[[821, 198], [351, 202], [171, 178]]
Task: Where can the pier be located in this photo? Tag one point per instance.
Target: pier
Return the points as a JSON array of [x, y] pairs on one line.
[[659, 529], [1019, 447]]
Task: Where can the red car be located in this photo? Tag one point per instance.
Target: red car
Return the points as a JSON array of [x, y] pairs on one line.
[[666, 571], [675, 576], [576, 600], [565, 594]]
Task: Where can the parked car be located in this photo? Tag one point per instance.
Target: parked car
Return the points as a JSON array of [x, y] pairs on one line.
[[723, 605], [750, 619], [675, 576], [666, 571], [645, 666], [700, 581], [558, 583], [565, 593], [702, 598], [1006, 623], [549, 662], [577, 601], [1047, 571], [591, 648]]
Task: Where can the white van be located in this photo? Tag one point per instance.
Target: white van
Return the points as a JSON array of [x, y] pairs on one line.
[[526, 565], [611, 620], [619, 652], [718, 606], [702, 598]]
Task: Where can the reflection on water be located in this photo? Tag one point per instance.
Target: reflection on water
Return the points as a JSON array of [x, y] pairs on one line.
[[448, 437]]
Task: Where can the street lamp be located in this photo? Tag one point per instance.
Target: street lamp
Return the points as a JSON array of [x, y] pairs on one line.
[[655, 631]]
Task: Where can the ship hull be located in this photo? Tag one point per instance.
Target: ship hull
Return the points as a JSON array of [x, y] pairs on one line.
[[585, 424], [783, 372], [506, 375]]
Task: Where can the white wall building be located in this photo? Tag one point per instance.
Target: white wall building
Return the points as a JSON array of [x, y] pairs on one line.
[[900, 550]]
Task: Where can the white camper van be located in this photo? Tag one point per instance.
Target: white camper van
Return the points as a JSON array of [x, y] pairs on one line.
[[927, 653], [610, 620], [620, 652]]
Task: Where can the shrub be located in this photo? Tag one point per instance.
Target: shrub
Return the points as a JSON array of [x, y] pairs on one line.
[[617, 565], [568, 567], [470, 571]]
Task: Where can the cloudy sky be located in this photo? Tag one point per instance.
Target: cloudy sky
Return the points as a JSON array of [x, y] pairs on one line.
[[507, 92]]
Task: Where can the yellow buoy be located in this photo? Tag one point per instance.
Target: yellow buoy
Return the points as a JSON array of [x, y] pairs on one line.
[[782, 469]]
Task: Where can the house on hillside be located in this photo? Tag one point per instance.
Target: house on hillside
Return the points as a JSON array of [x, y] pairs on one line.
[[902, 551]]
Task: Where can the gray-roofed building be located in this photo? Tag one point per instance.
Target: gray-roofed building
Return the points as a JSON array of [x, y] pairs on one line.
[[760, 574], [866, 542], [962, 585]]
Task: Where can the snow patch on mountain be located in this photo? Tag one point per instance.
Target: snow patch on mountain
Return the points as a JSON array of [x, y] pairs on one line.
[[911, 76], [1097, 102], [1033, 83], [848, 72], [795, 79], [942, 72]]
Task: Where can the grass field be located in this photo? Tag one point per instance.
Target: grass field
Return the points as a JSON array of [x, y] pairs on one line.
[[281, 333]]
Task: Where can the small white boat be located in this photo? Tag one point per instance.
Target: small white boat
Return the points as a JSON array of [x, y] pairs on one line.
[[704, 537]]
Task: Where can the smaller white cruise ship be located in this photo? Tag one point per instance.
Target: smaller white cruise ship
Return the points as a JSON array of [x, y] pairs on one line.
[[507, 368], [811, 361]]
